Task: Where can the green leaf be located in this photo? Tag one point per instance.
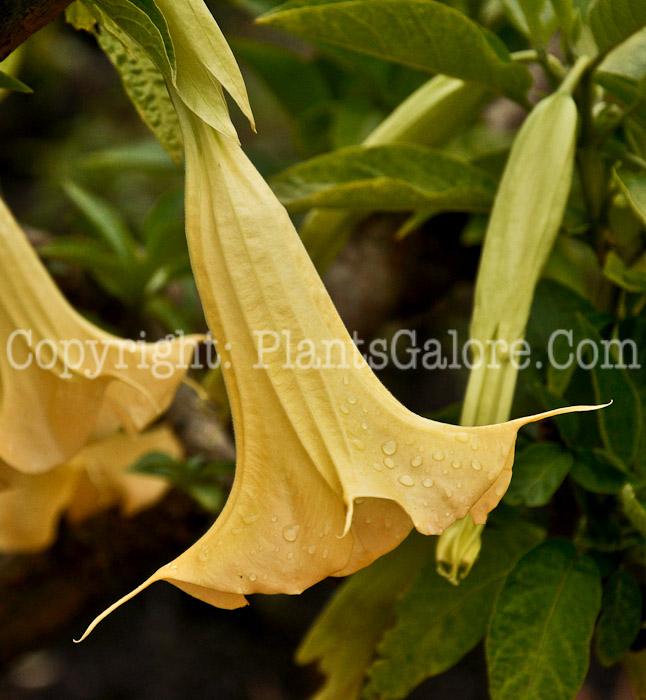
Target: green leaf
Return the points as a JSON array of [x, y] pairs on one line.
[[438, 623], [8, 82], [613, 21], [144, 85], [620, 425], [538, 641], [630, 280], [422, 34], [344, 636], [538, 472], [534, 18], [143, 21], [388, 178], [87, 254], [105, 219], [598, 471], [633, 185], [621, 614]]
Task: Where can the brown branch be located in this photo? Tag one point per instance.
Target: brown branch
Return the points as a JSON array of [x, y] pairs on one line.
[[19, 19]]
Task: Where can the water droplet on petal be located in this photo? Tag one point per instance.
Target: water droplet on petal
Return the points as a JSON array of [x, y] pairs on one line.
[[406, 480], [377, 467], [352, 400], [325, 553], [427, 483], [311, 549], [346, 410], [416, 461], [252, 577], [265, 577], [290, 533], [462, 437], [359, 444], [364, 426], [389, 463], [290, 555], [236, 530], [456, 464], [274, 518], [239, 590], [438, 456], [250, 519], [389, 448], [491, 476], [345, 380], [448, 492], [204, 553], [475, 463], [475, 446]]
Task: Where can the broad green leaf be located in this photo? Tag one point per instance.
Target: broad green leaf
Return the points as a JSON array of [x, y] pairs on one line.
[[344, 636], [144, 85], [630, 280], [80, 17], [143, 21], [633, 185], [423, 34], [598, 471], [389, 178], [568, 16], [613, 21], [621, 614], [105, 219], [538, 472], [621, 424], [438, 623], [535, 18], [538, 641], [628, 59], [8, 82]]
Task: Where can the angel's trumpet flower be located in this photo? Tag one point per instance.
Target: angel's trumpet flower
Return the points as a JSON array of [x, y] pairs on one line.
[[332, 471], [63, 381], [95, 479]]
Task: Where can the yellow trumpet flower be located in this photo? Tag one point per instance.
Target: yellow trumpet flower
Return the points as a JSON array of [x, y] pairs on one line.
[[332, 471], [95, 479], [63, 381]]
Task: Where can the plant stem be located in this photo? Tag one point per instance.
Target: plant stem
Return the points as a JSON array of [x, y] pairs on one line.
[[22, 18]]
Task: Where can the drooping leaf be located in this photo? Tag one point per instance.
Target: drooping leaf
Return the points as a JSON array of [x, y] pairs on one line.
[[430, 634], [345, 635], [423, 34], [633, 185], [613, 21], [394, 177], [630, 280], [538, 472], [620, 620], [8, 82], [538, 641]]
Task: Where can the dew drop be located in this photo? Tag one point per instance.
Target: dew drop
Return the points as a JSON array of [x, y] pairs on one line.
[[406, 480], [239, 590], [236, 530], [438, 456], [250, 519], [204, 553], [311, 549], [274, 518], [346, 410], [265, 577], [491, 476], [173, 567], [352, 400], [359, 501], [475, 446], [325, 553], [500, 491], [416, 461], [425, 504], [359, 444], [448, 492], [475, 463], [345, 380], [456, 464], [290, 555], [377, 467], [290, 533], [389, 462], [462, 437], [427, 483], [364, 426], [389, 448], [252, 577], [458, 484]]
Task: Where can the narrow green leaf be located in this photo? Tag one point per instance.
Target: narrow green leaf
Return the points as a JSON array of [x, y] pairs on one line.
[[621, 614], [87, 254], [538, 641], [630, 280], [144, 85], [344, 636], [538, 472], [388, 178], [613, 21], [423, 34], [633, 185], [8, 82], [105, 219], [438, 623], [598, 471]]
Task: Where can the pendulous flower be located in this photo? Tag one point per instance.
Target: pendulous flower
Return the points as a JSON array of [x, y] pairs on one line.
[[95, 479], [63, 381]]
